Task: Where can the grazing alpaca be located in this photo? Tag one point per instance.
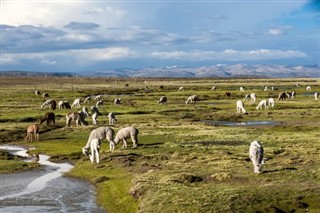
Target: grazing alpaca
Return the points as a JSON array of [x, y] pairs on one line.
[[117, 101], [282, 96], [228, 94], [316, 95], [241, 89], [76, 103], [64, 105], [49, 117], [262, 103], [50, 104], [112, 118], [240, 107], [45, 95], [125, 133], [95, 148], [265, 88], [271, 102], [100, 133], [95, 113], [79, 117], [193, 99], [290, 94], [99, 104], [37, 92], [32, 130], [308, 88], [98, 98], [87, 99], [163, 100], [180, 89], [213, 88], [256, 156], [253, 97]]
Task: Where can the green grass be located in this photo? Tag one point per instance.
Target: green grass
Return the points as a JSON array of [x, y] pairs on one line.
[[181, 164]]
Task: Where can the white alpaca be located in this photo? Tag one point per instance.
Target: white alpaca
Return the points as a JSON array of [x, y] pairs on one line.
[[99, 104], [45, 95], [100, 133], [213, 88], [87, 99], [47, 103], [256, 156], [95, 113], [241, 89], [163, 100], [265, 88], [308, 88], [95, 149], [125, 133], [240, 107], [64, 105], [192, 99], [316, 95], [116, 101], [37, 92], [253, 97], [112, 118], [262, 103], [271, 102], [180, 89], [76, 103], [98, 98]]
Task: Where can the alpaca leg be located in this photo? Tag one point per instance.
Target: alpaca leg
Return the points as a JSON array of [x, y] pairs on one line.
[[124, 143], [134, 141], [97, 156]]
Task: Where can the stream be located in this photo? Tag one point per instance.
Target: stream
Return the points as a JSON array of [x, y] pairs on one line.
[[45, 190]]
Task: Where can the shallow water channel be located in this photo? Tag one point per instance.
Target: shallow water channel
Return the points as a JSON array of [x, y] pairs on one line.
[[45, 190], [247, 123]]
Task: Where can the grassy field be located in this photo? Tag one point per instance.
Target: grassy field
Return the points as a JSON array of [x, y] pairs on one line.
[[182, 164]]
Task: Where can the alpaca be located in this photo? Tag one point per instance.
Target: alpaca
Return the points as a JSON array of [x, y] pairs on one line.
[[95, 113], [256, 156], [79, 117], [193, 99], [265, 88], [253, 97], [99, 104], [117, 101], [98, 97], [50, 104], [37, 92], [308, 88], [262, 103], [100, 133], [112, 118], [213, 88], [64, 105], [241, 89], [163, 100], [45, 95], [228, 94], [76, 103], [87, 99], [316, 95], [95, 149], [49, 117], [282, 96], [271, 102], [125, 133], [180, 89], [240, 107], [32, 130]]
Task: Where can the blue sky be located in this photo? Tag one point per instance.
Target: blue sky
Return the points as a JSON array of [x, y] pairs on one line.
[[100, 35]]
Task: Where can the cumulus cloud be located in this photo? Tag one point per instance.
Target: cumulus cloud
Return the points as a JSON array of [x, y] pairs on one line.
[[229, 55], [81, 25]]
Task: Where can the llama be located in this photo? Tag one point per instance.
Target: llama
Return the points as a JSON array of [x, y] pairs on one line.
[[100, 133], [76, 103], [192, 99], [49, 117], [32, 131], [316, 95], [37, 92], [125, 133], [87, 99], [240, 107], [117, 101], [262, 103], [163, 100], [112, 118], [256, 156], [99, 104], [271, 102], [95, 113], [95, 149]]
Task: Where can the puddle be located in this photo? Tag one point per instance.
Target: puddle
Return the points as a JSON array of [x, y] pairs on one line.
[[247, 123], [46, 190]]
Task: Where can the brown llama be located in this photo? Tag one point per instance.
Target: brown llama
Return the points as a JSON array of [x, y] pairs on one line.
[[49, 117], [32, 130]]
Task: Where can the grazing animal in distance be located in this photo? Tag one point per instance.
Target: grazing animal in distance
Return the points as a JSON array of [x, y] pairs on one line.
[[50, 104], [95, 149], [99, 104], [37, 92], [98, 97], [87, 99], [32, 131], [253, 97], [316, 95], [117, 101], [95, 113], [112, 118], [192, 99], [64, 105], [240, 107], [271, 102], [262, 104], [76, 103], [180, 89], [126, 85], [45, 95], [308, 88], [79, 117], [100, 133], [125, 133], [228, 94], [256, 156], [49, 117], [241, 89], [282, 96], [161, 87], [213, 88], [163, 100]]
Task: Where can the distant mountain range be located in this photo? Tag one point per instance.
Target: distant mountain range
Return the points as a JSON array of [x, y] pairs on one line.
[[222, 71]]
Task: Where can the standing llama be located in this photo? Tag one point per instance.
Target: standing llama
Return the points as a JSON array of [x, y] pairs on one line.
[[125, 133], [256, 156], [32, 131], [100, 133]]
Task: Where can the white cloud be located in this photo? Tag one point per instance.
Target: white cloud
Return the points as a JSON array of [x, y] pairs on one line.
[[274, 31], [229, 55]]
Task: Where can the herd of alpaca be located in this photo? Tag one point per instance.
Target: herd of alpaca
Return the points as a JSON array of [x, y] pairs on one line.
[[97, 135]]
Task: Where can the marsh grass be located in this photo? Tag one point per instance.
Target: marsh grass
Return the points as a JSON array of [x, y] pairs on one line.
[[181, 164]]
